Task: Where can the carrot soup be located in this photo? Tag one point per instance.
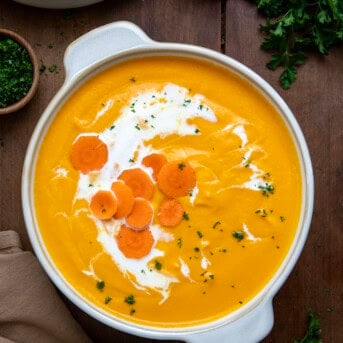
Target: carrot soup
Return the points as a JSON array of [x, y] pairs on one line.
[[168, 191]]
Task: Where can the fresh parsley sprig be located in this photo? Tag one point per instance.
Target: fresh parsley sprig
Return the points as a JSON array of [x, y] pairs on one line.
[[294, 27]]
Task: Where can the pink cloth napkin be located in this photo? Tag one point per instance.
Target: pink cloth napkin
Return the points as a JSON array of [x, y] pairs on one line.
[[30, 308]]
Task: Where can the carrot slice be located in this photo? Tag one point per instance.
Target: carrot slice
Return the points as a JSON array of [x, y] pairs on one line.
[[124, 197], [88, 153], [103, 204], [139, 181], [176, 179], [170, 212], [156, 162], [134, 244], [141, 214]]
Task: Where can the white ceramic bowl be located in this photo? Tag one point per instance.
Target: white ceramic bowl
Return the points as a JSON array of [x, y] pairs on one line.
[[112, 44], [58, 4]]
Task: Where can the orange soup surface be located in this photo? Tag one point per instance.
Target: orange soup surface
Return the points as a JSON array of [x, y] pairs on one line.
[[167, 191]]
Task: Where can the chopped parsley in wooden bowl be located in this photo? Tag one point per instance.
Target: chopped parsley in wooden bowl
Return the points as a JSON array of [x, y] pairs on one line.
[[19, 72]]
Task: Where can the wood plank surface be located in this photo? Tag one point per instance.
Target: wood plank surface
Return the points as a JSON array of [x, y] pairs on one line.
[[316, 100]]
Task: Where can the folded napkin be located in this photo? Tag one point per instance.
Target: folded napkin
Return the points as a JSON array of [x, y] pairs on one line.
[[30, 308]]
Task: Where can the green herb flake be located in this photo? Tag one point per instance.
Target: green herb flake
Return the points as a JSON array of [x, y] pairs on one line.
[[131, 160], [329, 309], [158, 265], [196, 249], [100, 285], [266, 189], [53, 68], [313, 332], [282, 218], [239, 235], [130, 299], [133, 79], [200, 234], [179, 242], [137, 127], [186, 102], [262, 212], [132, 311], [196, 130], [185, 216], [112, 127], [200, 107], [181, 166], [90, 185], [216, 224], [42, 67], [16, 72], [108, 299]]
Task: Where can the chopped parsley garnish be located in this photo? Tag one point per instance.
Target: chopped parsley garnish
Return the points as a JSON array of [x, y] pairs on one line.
[[108, 299], [100, 285], [131, 160], [132, 311], [196, 249], [313, 332], [186, 102], [239, 235], [222, 250], [267, 189], [211, 276], [185, 216], [53, 68], [282, 218], [262, 212], [137, 127], [158, 265], [216, 224], [179, 242], [16, 72], [181, 165], [90, 185], [133, 79], [200, 107], [200, 234], [196, 130], [152, 116], [42, 67], [130, 299]]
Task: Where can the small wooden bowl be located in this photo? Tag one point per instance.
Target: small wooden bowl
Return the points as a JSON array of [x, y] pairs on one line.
[[23, 101]]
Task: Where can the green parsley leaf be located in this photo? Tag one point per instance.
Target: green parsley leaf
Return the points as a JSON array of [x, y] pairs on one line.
[[108, 299], [313, 331], [100, 285], [158, 265], [239, 235], [130, 299], [288, 76], [293, 28]]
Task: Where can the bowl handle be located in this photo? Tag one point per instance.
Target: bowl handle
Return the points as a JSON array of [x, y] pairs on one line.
[[250, 329], [101, 43]]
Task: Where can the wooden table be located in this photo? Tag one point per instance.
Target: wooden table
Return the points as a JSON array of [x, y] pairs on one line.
[[232, 28]]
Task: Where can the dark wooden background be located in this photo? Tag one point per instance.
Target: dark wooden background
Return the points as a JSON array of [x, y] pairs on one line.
[[231, 27]]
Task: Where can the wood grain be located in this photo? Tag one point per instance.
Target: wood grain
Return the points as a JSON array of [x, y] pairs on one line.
[[316, 100]]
